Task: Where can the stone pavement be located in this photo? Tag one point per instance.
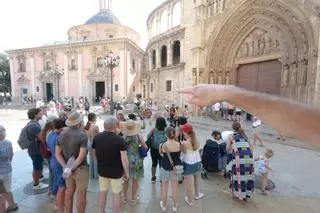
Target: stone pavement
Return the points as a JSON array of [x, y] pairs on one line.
[[295, 175]]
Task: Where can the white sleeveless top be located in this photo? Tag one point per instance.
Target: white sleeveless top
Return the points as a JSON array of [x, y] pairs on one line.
[[191, 157]]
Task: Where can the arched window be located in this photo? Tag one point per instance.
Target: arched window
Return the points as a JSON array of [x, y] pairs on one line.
[[164, 56], [154, 59], [176, 52], [151, 87], [164, 21], [176, 14]]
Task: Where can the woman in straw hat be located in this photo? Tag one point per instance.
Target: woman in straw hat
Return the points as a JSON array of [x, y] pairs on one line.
[[133, 140]]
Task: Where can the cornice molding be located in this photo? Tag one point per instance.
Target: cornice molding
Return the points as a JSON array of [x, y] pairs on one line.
[[78, 46], [176, 32]]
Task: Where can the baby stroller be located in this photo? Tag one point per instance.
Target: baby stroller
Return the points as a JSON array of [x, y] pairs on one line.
[[214, 158]]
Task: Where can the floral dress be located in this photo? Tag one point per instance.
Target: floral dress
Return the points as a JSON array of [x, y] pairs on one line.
[[135, 161]]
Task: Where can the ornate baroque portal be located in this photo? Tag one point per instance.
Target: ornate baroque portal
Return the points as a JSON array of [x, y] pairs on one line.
[[262, 31]]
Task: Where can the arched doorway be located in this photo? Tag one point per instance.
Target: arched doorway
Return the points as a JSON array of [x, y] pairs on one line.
[[265, 46]]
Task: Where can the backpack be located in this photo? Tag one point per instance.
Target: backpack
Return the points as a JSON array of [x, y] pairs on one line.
[[24, 141], [158, 138]]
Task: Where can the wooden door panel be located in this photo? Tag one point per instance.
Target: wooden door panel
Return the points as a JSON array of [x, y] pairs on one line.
[[269, 77], [262, 76], [247, 76]]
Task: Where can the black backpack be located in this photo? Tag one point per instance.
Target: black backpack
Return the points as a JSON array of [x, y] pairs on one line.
[[24, 141]]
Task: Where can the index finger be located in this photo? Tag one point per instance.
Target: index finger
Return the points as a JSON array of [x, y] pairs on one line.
[[190, 90]]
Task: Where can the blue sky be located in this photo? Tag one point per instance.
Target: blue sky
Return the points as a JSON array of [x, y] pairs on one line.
[[29, 23]]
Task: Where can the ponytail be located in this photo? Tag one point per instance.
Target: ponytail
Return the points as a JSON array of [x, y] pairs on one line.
[[193, 140], [243, 134]]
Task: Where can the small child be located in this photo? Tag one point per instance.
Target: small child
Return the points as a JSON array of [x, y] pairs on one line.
[[217, 137], [264, 168]]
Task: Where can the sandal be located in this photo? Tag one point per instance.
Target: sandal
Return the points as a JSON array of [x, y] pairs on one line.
[[12, 208], [124, 200], [133, 202]]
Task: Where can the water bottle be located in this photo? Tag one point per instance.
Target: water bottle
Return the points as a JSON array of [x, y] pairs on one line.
[[67, 171]]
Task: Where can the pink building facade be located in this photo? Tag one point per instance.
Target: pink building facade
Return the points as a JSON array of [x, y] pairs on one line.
[[77, 67]]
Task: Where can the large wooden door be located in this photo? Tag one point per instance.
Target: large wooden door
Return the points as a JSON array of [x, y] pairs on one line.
[[262, 77]]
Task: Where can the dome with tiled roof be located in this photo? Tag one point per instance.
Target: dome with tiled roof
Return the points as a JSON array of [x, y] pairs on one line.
[[104, 16]]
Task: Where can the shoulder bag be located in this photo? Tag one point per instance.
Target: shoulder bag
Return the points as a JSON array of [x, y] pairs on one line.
[[142, 151]]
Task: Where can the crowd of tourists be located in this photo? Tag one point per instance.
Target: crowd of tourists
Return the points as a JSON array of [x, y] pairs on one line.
[[116, 154]]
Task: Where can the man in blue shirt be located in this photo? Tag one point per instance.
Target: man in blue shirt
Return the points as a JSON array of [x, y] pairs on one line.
[[33, 131]]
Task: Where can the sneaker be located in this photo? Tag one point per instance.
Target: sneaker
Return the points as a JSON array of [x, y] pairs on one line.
[[43, 178], [40, 187], [200, 196], [187, 201], [174, 209], [153, 179], [163, 208], [12, 208]]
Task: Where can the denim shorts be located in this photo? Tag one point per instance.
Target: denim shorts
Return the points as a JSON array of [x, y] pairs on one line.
[[190, 169], [37, 162]]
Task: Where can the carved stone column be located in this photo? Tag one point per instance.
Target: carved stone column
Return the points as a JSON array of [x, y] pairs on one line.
[[181, 50], [169, 52], [158, 57], [293, 80]]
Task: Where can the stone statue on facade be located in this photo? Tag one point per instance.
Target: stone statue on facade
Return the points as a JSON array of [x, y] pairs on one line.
[[201, 80], [194, 78], [220, 77], [285, 75], [304, 73], [293, 74], [211, 78], [228, 78]]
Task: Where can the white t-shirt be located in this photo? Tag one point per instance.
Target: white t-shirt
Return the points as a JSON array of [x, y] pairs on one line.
[[43, 121], [256, 123], [216, 107]]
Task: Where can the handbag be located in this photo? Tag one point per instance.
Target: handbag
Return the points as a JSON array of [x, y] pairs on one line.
[[177, 169], [44, 150], [143, 151]]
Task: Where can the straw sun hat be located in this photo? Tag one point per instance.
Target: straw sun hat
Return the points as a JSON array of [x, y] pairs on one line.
[[130, 128], [74, 119]]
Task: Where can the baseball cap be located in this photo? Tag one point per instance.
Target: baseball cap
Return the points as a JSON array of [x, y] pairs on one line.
[[187, 128]]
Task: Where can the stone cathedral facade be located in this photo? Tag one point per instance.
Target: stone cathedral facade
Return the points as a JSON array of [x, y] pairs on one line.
[[269, 46]]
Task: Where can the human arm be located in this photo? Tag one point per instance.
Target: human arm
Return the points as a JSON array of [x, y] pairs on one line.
[[142, 142], [124, 158], [229, 144], [93, 151], [82, 153], [267, 163], [59, 156], [271, 109], [150, 133], [125, 164], [143, 123]]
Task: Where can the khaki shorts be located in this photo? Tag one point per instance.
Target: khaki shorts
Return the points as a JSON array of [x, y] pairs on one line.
[[115, 184], [79, 178]]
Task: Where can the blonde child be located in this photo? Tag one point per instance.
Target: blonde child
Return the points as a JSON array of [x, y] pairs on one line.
[[264, 167]]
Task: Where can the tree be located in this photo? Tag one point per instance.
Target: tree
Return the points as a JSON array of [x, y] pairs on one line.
[[5, 80]]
